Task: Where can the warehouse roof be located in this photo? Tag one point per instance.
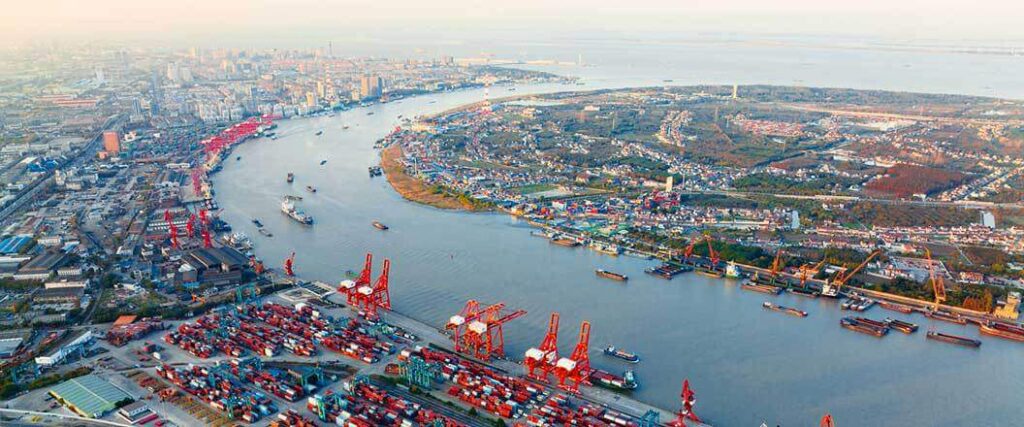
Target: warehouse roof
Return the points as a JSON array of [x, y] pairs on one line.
[[89, 395], [13, 245]]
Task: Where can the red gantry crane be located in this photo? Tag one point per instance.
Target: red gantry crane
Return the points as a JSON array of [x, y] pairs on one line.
[[348, 287], [776, 266], [540, 361], [688, 252], [378, 296], [288, 264], [835, 286], [190, 226], [456, 324], [686, 410], [574, 370]]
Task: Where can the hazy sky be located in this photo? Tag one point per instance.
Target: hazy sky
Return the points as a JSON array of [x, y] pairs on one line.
[[184, 21]]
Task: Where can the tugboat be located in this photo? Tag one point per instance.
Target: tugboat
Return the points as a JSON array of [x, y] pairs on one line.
[[311, 189], [621, 354], [611, 275], [291, 177], [288, 208], [379, 225]]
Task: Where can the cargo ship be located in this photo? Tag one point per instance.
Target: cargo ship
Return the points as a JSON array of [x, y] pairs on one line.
[[379, 225], [784, 309], [288, 208], [614, 382], [948, 317], [751, 285], [899, 325], [1002, 330], [953, 339], [905, 309], [607, 249], [667, 271], [291, 177], [864, 328], [610, 275], [621, 354]]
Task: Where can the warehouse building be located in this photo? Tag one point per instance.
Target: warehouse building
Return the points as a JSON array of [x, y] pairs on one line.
[[89, 396]]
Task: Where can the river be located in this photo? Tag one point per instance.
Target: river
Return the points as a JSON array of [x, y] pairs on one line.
[[746, 364]]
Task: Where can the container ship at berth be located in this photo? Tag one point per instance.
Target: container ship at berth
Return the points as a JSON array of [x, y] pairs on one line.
[[609, 380], [610, 275], [784, 309], [621, 354], [1002, 330], [288, 208], [953, 339], [864, 327]]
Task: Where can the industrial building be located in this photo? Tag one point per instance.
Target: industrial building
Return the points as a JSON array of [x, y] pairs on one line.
[[213, 266], [74, 342], [89, 396]]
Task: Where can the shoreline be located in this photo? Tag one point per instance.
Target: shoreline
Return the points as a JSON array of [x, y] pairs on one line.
[[416, 190]]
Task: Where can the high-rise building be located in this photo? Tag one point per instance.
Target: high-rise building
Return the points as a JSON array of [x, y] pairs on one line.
[[668, 184], [111, 142], [311, 99], [735, 91], [371, 87], [988, 220]]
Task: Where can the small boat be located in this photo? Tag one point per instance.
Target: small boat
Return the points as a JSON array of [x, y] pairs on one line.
[[319, 132], [323, 162], [610, 275], [953, 339], [311, 189], [784, 309], [264, 232], [370, 113], [379, 225], [293, 197], [257, 222], [291, 177], [238, 158], [345, 127], [621, 354]]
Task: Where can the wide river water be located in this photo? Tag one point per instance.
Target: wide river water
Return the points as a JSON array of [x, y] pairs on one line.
[[747, 364]]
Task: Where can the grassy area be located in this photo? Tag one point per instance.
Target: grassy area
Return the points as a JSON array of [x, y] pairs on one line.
[[535, 188], [420, 192]]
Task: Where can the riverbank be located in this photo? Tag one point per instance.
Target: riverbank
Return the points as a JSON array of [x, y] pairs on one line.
[[415, 190]]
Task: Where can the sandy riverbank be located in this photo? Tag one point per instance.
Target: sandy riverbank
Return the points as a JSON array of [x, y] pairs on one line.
[[415, 190]]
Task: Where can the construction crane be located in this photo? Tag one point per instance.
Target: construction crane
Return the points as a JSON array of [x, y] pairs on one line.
[[207, 240], [574, 370], [827, 421], [173, 234], [456, 324], [256, 265], [688, 252], [804, 271], [688, 399], [938, 286], [835, 286], [288, 264], [776, 265], [378, 296], [713, 256], [540, 361]]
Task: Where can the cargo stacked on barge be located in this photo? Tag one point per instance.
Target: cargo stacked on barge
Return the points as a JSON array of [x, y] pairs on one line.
[[954, 339], [864, 327], [667, 271], [1002, 330], [611, 275], [609, 380], [784, 309], [899, 325]]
